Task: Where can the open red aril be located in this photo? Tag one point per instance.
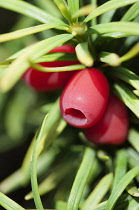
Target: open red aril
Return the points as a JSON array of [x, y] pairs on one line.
[[112, 128], [84, 98], [47, 81]]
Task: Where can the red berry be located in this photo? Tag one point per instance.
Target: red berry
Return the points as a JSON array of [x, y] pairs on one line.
[[84, 98], [112, 128], [64, 48], [47, 81]]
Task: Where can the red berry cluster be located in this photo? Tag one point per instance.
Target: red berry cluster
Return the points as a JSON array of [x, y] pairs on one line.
[[85, 102]]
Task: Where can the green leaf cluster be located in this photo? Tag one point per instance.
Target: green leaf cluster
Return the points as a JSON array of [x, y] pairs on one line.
[[59, 158]]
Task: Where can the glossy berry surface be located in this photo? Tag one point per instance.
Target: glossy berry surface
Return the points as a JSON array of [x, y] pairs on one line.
[[84, 98], [47, 81], [112, 128]]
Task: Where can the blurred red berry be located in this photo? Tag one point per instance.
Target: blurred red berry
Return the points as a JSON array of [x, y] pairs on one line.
[[112, 128], [84, 98], [47, 81]]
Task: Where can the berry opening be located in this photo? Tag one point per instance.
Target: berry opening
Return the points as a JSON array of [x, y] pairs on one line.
[[75, 117]]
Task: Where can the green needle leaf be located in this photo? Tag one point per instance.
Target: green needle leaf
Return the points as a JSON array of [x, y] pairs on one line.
[[107, 16], [110, 5], [131, 101], [98, 193], [127, 28], [31, 11], [83, 54], [57, 69], [8, 203], [25, 32], [12, 182], [48, 6], [81, 179], [21, 177], [57, 57], [116, 35], [85, 10], [21, 64], [122, 184], [73, 8], [49, 125], [132, 190], [17, 54], [133, 158], [124, 202], [126, 75], [110, 58], [132, 13], [132, 53], [133, 204], [61, 205], [52, 128], [120, 167], [34, 182], [63, 9], [51, 181], [133, 138]]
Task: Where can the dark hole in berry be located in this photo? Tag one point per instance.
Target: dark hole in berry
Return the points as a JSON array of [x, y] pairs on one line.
[[75, 117]]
